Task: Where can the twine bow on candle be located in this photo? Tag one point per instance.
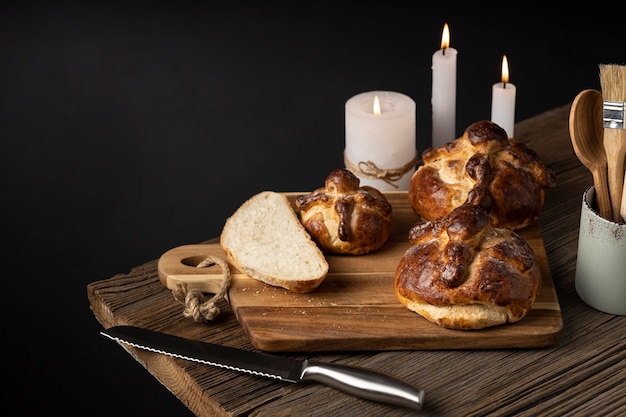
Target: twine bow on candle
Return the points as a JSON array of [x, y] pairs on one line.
[[369, 169]]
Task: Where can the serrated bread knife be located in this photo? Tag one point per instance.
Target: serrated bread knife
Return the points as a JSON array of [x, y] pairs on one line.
[[361, 382]]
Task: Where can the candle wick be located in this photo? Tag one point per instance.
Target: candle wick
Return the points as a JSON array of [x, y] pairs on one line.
[[503, 84], [443, 51]]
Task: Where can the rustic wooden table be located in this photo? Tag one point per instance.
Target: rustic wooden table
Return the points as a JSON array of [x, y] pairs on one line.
[[582, 373]]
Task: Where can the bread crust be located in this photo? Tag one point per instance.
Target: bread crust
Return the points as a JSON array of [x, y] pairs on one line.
[[344, 218], [301, 286], [484, 167], [464, 273]]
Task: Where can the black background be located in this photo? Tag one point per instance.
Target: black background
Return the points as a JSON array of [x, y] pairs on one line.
[[129, 128]]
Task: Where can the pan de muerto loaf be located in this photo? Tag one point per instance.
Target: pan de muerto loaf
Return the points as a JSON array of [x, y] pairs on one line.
[[485, 167], [344, 218], [464, 273]]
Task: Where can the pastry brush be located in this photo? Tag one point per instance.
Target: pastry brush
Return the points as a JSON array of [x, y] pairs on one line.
[[623, 209], [613, 83]]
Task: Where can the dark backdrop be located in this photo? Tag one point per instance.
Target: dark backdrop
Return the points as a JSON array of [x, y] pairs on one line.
[[129, 128]]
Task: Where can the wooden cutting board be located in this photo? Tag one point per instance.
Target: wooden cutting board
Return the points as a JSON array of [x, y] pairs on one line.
[[355, 308]]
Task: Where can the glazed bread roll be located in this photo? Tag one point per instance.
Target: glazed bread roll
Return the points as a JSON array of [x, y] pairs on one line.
[[344, 218], [265, 240], [484, 167], [464, 273]]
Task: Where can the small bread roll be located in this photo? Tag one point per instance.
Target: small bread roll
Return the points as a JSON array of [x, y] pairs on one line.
[[345, 218], [485, 167], [463, 273]]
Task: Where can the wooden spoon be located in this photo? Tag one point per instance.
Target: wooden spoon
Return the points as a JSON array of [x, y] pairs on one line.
[[587, 135]]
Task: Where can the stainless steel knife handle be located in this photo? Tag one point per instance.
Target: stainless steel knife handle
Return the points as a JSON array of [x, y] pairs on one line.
[[364, 383]]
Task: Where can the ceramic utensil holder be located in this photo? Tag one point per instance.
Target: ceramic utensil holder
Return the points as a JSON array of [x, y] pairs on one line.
[[601, 262]]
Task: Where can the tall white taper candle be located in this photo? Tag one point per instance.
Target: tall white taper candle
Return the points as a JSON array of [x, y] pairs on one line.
[[443, 98], [503, 101]]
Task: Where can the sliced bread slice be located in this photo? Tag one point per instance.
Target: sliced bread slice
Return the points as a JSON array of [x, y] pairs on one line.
[[265, 240]]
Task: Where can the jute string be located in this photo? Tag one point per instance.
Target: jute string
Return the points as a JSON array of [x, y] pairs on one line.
[[369, 169], [198, 305]]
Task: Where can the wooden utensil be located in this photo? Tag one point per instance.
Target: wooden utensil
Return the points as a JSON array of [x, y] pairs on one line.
[[586, 132], [623, 207], [613, 82]]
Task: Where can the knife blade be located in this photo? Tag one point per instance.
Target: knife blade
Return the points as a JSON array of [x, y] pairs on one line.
[[357, 381]]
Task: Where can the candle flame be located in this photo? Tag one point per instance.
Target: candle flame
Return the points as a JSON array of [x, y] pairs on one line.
[[376, 106], [445, 38], [505, 70]]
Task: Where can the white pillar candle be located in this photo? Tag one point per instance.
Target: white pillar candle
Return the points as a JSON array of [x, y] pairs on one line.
[[443, 98], [380, 144], [503, 101]]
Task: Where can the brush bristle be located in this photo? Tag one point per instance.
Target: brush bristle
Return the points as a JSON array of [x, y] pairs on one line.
[[613, 82]]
